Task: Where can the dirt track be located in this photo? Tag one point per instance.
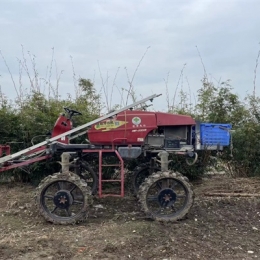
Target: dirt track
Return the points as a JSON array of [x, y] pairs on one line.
[[216, 228]]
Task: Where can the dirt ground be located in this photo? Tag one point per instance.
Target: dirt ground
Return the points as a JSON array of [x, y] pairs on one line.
[[216, 228]]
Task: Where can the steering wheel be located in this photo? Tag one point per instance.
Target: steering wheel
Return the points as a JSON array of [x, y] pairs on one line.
[[72, 112]]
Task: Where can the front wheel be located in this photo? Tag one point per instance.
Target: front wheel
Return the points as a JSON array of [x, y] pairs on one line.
[[166, 196]]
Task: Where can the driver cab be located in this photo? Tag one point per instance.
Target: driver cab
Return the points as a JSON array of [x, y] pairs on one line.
[[64, 124]]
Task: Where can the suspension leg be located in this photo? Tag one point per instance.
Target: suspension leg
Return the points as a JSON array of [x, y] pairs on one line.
[[164, 160], [65, 162]]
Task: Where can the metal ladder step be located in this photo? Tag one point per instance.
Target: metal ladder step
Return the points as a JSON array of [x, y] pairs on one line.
[[111, 165], [111, 180], [121, 180]]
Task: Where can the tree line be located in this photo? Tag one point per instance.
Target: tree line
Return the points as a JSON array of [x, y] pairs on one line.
[[26, 121]]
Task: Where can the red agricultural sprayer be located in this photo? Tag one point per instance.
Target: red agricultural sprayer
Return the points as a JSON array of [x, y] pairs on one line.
[[65, 197]]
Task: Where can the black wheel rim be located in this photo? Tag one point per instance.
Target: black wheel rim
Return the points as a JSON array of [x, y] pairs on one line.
[[166, 198], [62, 200]]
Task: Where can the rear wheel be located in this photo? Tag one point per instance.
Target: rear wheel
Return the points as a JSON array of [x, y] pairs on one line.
[[87, 174], [166, 196], [63, 198]]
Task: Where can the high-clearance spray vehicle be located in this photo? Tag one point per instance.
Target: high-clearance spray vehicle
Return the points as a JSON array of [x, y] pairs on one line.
[[66, 196]]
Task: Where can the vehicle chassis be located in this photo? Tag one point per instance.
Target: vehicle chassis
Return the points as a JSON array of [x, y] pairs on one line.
[[164, 195]]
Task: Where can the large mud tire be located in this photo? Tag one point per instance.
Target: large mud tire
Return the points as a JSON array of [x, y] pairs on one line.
[[64, 177], [159, 176], [140, 173]]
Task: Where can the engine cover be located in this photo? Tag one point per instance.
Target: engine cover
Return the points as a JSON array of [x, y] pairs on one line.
[[133, 126]]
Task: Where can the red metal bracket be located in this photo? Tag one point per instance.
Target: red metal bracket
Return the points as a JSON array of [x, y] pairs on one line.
[[6, 149]]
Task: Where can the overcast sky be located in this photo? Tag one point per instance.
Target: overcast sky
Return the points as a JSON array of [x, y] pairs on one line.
[[117, 33]]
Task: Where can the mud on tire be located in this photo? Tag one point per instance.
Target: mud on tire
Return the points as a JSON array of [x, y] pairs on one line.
[[160, 189], [75, 187], [140, 173]]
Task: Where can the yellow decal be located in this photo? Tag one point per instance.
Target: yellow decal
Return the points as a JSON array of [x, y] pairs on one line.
[[109, 125]]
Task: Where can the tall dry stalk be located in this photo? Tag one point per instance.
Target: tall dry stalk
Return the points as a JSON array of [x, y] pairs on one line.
[[167, 92], [178, 83], [77, 91], [190, 104], [203, 66], [24, 64], [130, 91], [11, 75], [113, 85], [255, 73], [104, 86]]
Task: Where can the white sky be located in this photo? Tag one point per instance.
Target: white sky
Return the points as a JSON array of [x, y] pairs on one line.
[[117, 33]]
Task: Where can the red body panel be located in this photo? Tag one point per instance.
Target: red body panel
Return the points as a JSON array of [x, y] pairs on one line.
[[131, 127], [164, 119], [62, 125]]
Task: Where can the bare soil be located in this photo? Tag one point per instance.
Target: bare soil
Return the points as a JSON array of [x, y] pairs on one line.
[[216, 227]]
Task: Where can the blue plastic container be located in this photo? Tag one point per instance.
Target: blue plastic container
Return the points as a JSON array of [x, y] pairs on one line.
[[215, 134]]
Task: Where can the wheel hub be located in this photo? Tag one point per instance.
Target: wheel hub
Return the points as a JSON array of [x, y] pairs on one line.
[[63, 199], [166, 197]]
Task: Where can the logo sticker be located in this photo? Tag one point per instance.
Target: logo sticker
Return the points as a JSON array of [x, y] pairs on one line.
[[136, 120], [109, 125]]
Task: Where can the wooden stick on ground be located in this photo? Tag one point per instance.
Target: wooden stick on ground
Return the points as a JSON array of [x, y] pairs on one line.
[[232, 194]]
